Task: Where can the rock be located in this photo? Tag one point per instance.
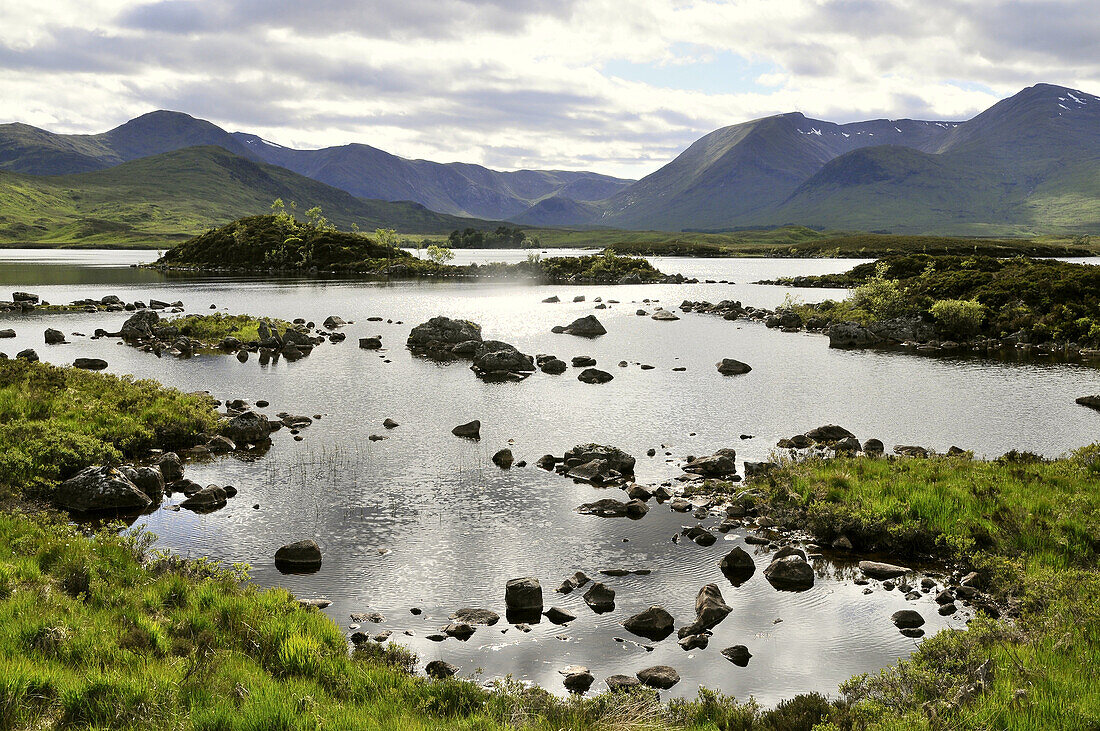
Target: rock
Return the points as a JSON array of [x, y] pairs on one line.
[[248, 428], [947, 609], [458, 630], [305, 554], [503, 459], [842, 544], [90, 364], [440, 670], [54, 337], [502, 361], [710, 607], [737, 566], [476, 616], [25, 297], [553, 366], [1093, 402], [170, 466], [221, 445], [600, 598], [372, 343], [851, 335], [759, 469], [874, 447], [720, 464], [849, 445], [28, 355], [210, 497], [882, 571], [907, 619], [654, 623], [616, 459], [242, 356], [791, 573], [731, 367], [597, 471], [149, 480], [524, 594], [594, 375], [439, 335], [579, 682], [332, 322], [738, 654], [98, 489], [663, 315], [828, 434], [583, 361], [547, 462], [551, 300], [661, 677], [139, 326], [585, 327], [789, 551], [611, 508], [558, 615], [469, 430], [694, 642], [7, 333], [622, 683]]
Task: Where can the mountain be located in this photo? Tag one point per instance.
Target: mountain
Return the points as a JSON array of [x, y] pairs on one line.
[[456, 188], [174, 195], [459, 189]]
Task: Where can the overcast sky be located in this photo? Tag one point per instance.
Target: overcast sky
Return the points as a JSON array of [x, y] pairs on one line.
[[617, 86]]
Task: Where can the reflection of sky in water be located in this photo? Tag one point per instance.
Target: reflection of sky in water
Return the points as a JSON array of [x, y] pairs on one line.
[[457, 527]]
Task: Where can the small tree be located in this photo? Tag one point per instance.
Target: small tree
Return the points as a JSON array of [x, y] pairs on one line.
[[880, 296], [440, 254], [317, 220], [385, 237], [959, 318]]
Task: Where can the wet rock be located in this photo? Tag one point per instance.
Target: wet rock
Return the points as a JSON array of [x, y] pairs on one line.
[[53, 337], [848, 445], [583, 361], [907, 619], [503, 459], [617, 459], [476, 616], [248, 428], [170, 466], [149, 480], [139, 326], [842, 544], [304, 554], [90, 364], [789, 551], [28, 355], [551, 300], [332, 322], [851, 335], [611, 508], [829, 434], [874, 447], [100, 489], [663, 315], [523, 594], [372, 343], [440, 670], [597, 471], [791, 573], [458, 630], [439, 335], [882, 571], [547, 462], [469, 430], [731, 367], [661, 677], [737, 566], [210, 497], [948, 609], [585, 327], [720, 464], [710, 607], [600, 598], [654, 623], [501, 361], [221, 445], [7, 333], [553, 366], [558, 615], [594, 375], [738, 654], [694, 642], [622, 683], [25, 298], [579, 681]]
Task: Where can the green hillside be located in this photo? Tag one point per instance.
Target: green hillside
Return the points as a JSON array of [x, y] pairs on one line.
[[173, 196]]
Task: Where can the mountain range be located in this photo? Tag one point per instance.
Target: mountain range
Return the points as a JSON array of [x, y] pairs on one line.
[[1029, 164]]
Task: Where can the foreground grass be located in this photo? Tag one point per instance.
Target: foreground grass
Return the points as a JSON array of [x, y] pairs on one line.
[[1032, 530], [56, 421]]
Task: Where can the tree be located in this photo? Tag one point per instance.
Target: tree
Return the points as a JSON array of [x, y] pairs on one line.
[[317, 220], [385, 237], [440, 254]]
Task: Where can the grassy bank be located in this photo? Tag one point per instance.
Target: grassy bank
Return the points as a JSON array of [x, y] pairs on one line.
[[1031, 528], [218, 326], [56, 421]]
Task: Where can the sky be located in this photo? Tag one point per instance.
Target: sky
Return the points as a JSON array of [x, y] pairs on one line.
[[615, 86]]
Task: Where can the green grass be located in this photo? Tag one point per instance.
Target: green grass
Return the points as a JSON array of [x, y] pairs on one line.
[[1031, 527], [213, 328], [56, 421]]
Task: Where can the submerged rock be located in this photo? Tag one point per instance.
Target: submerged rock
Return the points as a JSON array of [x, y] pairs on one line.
[[654, 623], [738, 654], [877, 570], [790, 573], [304, 554], [586, 327], [600, 598], [469, 430]]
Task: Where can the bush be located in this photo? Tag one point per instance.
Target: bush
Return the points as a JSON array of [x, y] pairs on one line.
[[959, 319], [881, 296]]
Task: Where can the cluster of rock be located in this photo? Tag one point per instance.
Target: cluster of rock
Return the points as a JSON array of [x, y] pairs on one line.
[[28, 302], [598, 464], [147, 331], [837, 440], [443, 338]]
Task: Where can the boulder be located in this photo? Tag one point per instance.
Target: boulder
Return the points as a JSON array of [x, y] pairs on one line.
[[557, 615], [139, 326], [847, 445], [170, 466], [661, 677], [874, 447], [440, 670], [583, 361], [503, 458], [617, 459], [332, 322], [149, 480], [731, 367], [523, 594], [469, 430], [585, 327], [737, 566], [439, 332], [600, 598], [7, 333], [28, 355], [738, 654], [25, 297], [304, 554], [579, 681], [881, 571], [721, 464], [907, 619], [553, 366], [851, 335], [654, 623], [552, 300], [828, 434], [210, 497], [1093, 402], [594, 375], [458, 630], [790, 573], [476, 616], [502, 361], [622, 683], [248, 428], [663, 315], [596, 471], [710, 607], [53, 337], [611, 508], [90, 364], [99, 489]]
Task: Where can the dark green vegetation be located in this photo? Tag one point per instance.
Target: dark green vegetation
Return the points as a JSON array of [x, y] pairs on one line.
[[172, 196], [56, 421], [503, 237], [1029, 528], [1037, 300], [282, 243]]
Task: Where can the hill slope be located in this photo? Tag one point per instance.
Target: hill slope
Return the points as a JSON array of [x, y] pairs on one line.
[[175, 195]]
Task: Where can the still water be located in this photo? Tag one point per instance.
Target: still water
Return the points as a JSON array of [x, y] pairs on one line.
[[424, 519]]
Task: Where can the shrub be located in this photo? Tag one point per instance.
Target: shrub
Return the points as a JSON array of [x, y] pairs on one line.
[[959, 319], [881, 296]]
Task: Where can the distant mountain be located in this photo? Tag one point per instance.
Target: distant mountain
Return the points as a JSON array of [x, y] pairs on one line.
[[1029, 164], [175, 195], [366, 172]]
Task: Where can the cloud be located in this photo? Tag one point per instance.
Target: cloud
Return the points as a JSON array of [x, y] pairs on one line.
[[530, 83]]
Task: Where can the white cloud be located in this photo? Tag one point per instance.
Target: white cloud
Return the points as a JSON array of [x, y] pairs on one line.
[[522, 84]]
